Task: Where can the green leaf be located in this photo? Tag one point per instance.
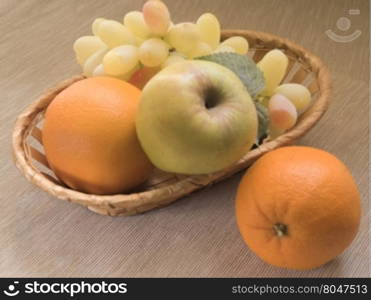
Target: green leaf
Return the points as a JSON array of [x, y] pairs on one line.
[[263, 121], [243, 66]]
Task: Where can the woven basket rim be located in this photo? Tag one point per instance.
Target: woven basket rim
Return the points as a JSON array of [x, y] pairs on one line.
[[26, 119]]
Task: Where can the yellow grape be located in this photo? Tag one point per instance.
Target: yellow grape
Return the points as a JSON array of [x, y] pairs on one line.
[[153, 52], [93, 62], [224, 48], [183, 37], [200, 49], [173, 58], [95, 25], [298, 94], [134, 21], [274, 66], [209, 28], [157, 17], [99, 71], [121, 60], [238, 43], [115, 34], [128, 75], [86, 46], [282, 113]]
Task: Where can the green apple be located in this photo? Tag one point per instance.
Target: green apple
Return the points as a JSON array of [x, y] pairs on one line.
[[195, 117]]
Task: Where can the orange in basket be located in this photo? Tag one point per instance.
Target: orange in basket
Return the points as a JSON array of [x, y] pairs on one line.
[[90, 139]]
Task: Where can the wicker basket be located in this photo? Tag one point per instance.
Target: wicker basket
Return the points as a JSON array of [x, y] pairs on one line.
[[163, 188]]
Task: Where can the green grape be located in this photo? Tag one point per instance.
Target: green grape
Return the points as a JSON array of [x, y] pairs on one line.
[[298, 94], [274, 66], [200, 49], [183, 37], [93, 62], [115, 34], [157, 17], [238, 43], [128, 75], [86, 46], [209, 28], [121, 60], [153, 52], [224, 48], [173, 58], [96, 24], [134, 21], [282, 113], [99, 71]]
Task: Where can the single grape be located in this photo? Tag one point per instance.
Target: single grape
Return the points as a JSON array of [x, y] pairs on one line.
[[121, 60], [238, 43], [200, 49], [274, 66], [224, 48], [209, 28], [183, 37], [93, 62], [95, 25], [115, 34], [297, 93], [174, 57], [282, 113], [134, 21], [139, 41], [99, 71], [86, 46], [127, 76], [157, 17], [142, 76], [153, 52]]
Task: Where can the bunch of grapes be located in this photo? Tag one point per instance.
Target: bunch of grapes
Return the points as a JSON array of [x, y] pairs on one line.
[[147, 41], [286, 101]]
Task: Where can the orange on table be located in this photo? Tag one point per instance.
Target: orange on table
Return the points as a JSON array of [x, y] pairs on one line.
[[90, 139], [298, 207]]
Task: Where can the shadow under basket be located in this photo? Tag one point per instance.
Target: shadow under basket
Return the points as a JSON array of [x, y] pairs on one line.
[[163, 188]]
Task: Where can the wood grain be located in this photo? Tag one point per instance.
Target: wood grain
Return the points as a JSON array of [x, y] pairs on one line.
[[197, 236]]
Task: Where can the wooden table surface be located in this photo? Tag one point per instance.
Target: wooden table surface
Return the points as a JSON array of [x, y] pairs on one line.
[[197, 236]]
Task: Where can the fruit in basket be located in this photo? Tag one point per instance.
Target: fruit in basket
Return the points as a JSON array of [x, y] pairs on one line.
[[157, 39], [298, 207], [298, 94], [200, 49], [282, 114], [238, 43], [85, 46], [195, 117], [121, 60], [174, 57], [93, 62], [274, 66], [157, 17], [90, 140], [153, 52], [209, 28], [135, 22], [142, 76], [115, 34], [184, 37]]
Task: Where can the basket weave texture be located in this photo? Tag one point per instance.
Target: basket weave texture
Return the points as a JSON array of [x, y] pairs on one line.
[[163, 188]]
